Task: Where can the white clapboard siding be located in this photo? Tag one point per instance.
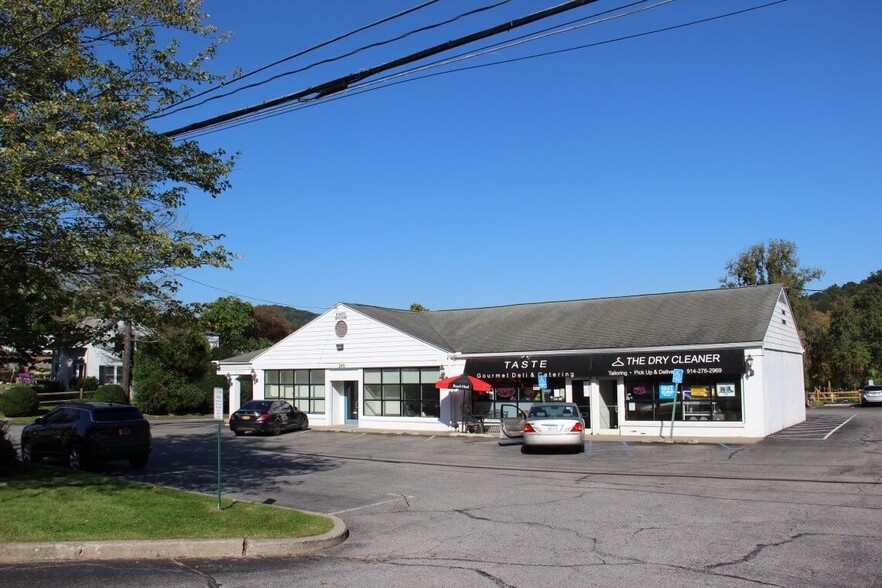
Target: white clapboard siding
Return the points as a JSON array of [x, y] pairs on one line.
[[367, 343], [782, 333]]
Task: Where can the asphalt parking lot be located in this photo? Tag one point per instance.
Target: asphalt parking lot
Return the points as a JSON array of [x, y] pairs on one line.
[[469, 510]]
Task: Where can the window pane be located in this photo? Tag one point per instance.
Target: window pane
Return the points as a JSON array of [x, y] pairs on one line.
[[432, 409], [372, 407], [392, 408], [286, 376], [391, 376], [430, 375], [372, 377], [430, 392], [318, 406], [301, 376], [318, 391], [410, 375], [411, 391], [391, 392], [271, 376], [317, 377], [372, 392]]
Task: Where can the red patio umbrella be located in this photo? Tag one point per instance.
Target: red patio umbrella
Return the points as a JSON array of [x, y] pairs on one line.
[[464, 382]]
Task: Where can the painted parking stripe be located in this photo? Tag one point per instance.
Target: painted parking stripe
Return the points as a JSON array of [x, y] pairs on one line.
[[815, 428]]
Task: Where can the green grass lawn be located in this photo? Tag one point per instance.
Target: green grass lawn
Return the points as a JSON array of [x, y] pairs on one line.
[[44, 503]]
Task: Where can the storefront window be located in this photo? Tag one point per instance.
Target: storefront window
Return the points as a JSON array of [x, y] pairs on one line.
[[716, 399], [522, 394], [303, 388], [406, 392]]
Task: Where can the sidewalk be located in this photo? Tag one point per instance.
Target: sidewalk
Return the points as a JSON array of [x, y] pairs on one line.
[[499, 436]]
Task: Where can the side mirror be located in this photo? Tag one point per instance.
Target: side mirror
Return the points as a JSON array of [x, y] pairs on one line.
[[39, 421]]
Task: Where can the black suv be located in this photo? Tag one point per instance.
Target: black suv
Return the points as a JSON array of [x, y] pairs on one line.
[[85, 432]]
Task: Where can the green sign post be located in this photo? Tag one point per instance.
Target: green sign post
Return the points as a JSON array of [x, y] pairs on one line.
[[677, 378]]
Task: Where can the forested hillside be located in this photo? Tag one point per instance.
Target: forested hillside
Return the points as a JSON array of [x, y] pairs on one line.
[[843, 335]]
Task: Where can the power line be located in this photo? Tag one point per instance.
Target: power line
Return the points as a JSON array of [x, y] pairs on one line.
[[167, 112], [238, 295], [295, 55], [340, 84], [363, 88]]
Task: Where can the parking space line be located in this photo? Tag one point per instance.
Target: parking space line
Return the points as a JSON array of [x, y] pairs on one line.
[[399, 498], [839, 427]]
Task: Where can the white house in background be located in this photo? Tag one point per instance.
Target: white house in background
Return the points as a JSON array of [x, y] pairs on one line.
[[376, 368]]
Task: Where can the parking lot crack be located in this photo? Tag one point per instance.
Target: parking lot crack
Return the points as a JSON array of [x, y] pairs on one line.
[[756, 551], [211, 582]]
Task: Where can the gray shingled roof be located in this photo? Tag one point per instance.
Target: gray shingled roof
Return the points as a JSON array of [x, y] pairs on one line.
[[244, 358], [701, 317]]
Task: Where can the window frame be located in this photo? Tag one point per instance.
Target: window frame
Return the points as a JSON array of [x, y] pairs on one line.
[[389, 392]]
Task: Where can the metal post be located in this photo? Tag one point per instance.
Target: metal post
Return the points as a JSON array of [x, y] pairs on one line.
[[219, 423]]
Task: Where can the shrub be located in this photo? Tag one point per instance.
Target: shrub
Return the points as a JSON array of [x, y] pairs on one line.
[[110, 393], [19, 401], [86, 384], [188, 399], [151, 396]]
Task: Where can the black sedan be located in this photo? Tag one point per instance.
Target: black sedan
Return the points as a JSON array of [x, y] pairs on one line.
[[267, 416]]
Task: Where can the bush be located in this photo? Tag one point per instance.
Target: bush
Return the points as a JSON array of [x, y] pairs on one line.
[[189, 399], [151, 396], [110, 393], [86, 384], [19, 401]]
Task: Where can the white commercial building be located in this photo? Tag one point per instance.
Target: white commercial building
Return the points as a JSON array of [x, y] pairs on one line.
[[617, 358]]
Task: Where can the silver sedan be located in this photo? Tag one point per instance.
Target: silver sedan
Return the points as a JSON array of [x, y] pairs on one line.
[[554, 424]]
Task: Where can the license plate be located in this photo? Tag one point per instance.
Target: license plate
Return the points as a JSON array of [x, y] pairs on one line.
[[125, 431], [246, 417], [550, 428]]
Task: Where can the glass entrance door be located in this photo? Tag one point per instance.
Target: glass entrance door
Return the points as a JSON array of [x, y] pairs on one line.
[[350, 403]]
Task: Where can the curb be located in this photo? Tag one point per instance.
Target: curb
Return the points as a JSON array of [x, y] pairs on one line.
[[14, 553]]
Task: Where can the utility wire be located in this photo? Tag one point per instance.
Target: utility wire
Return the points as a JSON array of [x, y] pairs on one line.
[[296, 55], [302, 103], [167, 112], [245, 295], [364, 87], [340, 84]]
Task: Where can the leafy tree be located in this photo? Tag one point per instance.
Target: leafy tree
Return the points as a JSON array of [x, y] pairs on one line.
[[849, 355], [774, 262], [418, 307], [89, 192], [233, 320], [272, 323]]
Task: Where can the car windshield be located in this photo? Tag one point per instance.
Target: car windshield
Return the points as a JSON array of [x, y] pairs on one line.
[[552, 411], [256, 405], [117, 413]]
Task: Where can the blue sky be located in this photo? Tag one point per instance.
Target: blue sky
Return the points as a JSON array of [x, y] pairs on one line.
[[631, 167]]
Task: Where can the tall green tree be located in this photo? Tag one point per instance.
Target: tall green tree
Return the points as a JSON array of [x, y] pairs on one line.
[[233, 320], [774, 262], [89, 192]]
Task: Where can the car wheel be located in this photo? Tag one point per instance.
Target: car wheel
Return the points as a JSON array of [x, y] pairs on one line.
[[75, 459], [525, 449], [139, 461], [27, 453], [277, 427], [239, 433], [304, 422]]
